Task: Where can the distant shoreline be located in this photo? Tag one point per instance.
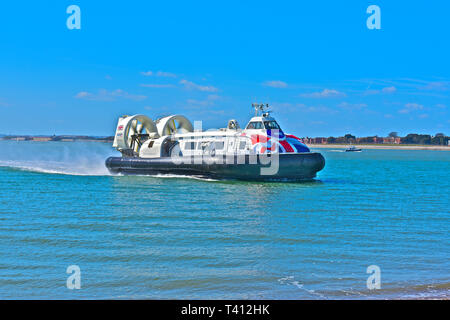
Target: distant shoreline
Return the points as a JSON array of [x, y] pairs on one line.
[[380, 146]]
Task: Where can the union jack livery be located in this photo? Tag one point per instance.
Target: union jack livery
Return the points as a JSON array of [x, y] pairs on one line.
[[277, 141]]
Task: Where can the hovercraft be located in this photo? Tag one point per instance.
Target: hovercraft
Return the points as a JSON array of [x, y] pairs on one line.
[[172, 145]]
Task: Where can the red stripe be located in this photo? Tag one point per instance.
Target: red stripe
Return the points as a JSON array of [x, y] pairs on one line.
[[286, 146], [293, 137]]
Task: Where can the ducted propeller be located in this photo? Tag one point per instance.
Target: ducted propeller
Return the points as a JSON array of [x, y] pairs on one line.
[[174, 124], [133, 131]]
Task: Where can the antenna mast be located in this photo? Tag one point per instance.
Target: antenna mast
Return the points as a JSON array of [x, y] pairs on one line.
[[260, 107]]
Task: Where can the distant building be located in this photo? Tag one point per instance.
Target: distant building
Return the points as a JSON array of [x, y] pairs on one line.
[[319, 140], [392, 140], [412, 138], [42, 138]]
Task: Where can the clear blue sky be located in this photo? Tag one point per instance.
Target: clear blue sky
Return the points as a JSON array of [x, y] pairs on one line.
[[316, 62]]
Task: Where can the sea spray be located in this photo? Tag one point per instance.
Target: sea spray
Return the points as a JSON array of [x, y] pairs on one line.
[[74, 158]]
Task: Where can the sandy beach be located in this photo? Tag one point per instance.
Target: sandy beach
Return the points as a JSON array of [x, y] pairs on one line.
[[395, 147]]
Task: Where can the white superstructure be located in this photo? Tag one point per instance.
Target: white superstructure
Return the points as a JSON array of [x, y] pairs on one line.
[[139, 136]]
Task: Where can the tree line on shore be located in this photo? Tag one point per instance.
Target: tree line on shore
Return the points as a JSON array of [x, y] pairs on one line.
[[439, 139]]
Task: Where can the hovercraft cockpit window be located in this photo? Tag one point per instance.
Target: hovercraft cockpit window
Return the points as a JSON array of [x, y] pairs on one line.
[[255, 125], [271, 125]]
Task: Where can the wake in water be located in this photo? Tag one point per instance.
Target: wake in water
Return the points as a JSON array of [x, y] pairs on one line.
[[71, 158], [178, 176], [55, 168]]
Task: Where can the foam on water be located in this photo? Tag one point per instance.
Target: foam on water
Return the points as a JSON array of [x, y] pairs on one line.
[[67, 158], [178, 176], [55, 168], [71, 158]]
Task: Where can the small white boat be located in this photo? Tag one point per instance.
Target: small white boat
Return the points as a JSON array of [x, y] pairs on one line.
[[353, 149]]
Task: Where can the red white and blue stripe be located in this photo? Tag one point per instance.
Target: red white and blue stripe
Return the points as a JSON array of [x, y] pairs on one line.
[[277, 142]]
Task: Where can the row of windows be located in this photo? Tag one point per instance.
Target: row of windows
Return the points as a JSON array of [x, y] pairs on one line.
[[217, 145], [267, 125], [193, 137]]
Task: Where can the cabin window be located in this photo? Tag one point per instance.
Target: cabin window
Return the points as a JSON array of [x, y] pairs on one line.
[[150, 144], [242, 145], [189, 146], [219, 145], [271, 125], [255, 125]]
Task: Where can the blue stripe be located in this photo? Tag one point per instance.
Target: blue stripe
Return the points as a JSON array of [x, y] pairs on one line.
[[300, 148]]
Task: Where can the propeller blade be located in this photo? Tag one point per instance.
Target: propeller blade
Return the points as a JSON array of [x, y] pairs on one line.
[[139, 128], [172, 126], [131, 132], [133, 127]]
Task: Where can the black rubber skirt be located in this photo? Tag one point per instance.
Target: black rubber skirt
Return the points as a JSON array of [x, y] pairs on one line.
[[285, 166]]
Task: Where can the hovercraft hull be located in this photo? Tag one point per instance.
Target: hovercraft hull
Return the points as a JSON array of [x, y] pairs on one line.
[[294, 166]]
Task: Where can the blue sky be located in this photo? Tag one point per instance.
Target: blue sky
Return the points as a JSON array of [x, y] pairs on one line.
[[316, 62]]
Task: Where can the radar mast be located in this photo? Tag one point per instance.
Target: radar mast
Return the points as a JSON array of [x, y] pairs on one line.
[[263, 108]]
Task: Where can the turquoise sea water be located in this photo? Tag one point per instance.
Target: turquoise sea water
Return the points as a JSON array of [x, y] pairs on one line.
[[172, 237]]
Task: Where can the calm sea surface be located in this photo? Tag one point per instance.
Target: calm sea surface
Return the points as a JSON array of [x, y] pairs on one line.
[[172, 237]]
